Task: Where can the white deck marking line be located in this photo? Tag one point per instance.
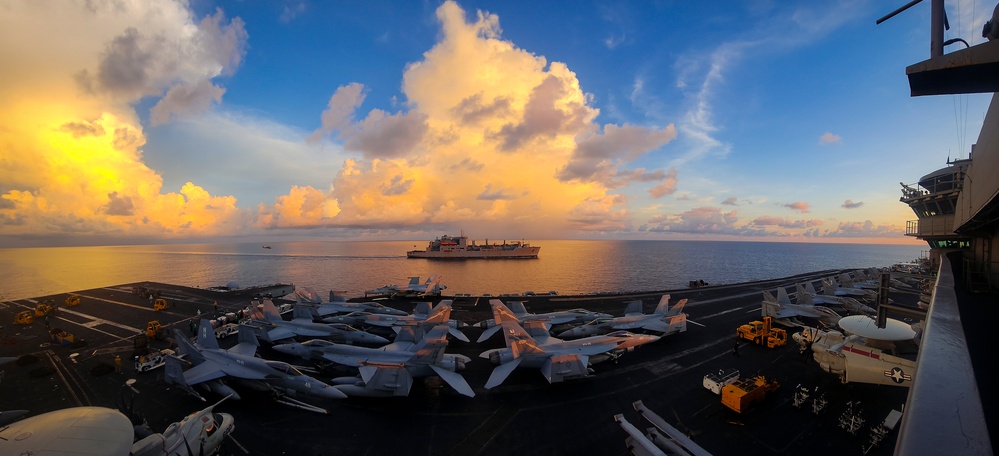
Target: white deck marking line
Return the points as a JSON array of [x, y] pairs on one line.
[[94, 320]]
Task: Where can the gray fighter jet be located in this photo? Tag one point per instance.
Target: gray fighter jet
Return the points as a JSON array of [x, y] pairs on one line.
[[210, 364], [425, 316], [558, 361], [309, 297], [272, 327], [388, 372], [518, 313], [663, 320]]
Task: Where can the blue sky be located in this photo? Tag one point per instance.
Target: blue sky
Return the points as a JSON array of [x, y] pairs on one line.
[[787, 121]]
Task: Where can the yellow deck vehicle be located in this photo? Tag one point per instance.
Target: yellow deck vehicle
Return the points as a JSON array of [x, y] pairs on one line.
[[160, 304], [741, 395], [762, 333], [72, 301], [154, 330], [43, 309], [24, 318]]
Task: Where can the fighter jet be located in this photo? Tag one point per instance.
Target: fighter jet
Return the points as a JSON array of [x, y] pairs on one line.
[[785, 313], [210, 364], [558, 361], [308, 296], [517, 312], [425, 316], [806, 295], [388, 372], [108, 432], [432, 287], [866, 355], [272, 327], [664, 320], [831, 288]]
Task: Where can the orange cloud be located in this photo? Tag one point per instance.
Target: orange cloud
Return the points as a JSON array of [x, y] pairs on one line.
[[72, 161]]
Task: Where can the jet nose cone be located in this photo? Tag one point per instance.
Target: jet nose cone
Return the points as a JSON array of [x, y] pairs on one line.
[[331, 392], [375, 339]]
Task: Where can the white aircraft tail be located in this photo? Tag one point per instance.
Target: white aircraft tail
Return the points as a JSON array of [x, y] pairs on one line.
[[769, 298], [829, 286]]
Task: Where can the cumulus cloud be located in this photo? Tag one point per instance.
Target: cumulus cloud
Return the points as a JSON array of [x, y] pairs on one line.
[[75, 165], [786, 223], [700, 220], [491, 134], [800, 206], [829, 138], [849, 204], [865, 229]]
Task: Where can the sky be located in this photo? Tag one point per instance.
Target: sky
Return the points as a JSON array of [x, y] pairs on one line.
[[131, 122]]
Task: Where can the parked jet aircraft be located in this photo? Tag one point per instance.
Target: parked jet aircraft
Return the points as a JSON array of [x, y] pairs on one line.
[[414, 288], [424, 316], [785, 313], [108, 432], [663, 320], [210, 364], [308, 296], [806, 295], [558, 361], [831, 288], [388, 372], [517, 312], [864, 356], [273, 327]]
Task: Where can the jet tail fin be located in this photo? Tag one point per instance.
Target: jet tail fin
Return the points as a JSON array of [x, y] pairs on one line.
[[803, 296], [440, 314], [186, 349], [782, 296], [517, 307], [678, 308], [633, 308], [206, 336], [663, 307], [174, 374], [536, 328], [302, 312], [270, 311], [501, 313]]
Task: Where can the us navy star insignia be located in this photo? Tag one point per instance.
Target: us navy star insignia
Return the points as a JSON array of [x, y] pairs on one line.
[[897, 375]]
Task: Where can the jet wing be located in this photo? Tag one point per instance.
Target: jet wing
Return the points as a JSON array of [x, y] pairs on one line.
[[202, 373], [501, 372], [395, 379], [280, 333], [455, 380], [559, 368]]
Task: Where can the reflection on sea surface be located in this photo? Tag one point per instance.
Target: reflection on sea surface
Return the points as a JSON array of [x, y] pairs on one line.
[[570, 267]]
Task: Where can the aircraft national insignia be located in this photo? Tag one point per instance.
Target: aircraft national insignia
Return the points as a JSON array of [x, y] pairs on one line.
[[897, 375]]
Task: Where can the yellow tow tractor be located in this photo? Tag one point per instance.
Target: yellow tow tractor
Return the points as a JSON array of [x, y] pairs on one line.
[[43, 309], [154, 330], [160, 304], [741, 395], [72, 301], [762, 333], [24, 318]]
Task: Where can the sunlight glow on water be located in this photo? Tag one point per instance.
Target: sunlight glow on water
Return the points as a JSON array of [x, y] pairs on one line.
[[570, 267]]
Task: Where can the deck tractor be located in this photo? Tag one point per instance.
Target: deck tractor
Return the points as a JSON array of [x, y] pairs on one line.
[[762, 333]]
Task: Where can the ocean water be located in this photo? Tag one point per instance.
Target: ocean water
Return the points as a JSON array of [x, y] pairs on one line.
[[569, 267]]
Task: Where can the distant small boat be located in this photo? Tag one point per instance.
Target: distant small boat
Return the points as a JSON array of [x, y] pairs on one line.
[[267, 246]]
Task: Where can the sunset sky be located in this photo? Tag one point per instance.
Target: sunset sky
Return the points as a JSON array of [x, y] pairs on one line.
[[195, 121]]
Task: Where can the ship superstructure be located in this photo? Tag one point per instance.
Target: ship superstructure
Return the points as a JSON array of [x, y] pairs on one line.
[[934, 201], [459, 247]]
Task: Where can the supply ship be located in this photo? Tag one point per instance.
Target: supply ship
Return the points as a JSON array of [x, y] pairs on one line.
[[458, 247]]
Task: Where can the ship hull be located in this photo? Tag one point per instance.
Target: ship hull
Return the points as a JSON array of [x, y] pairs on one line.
[[519, 253]]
